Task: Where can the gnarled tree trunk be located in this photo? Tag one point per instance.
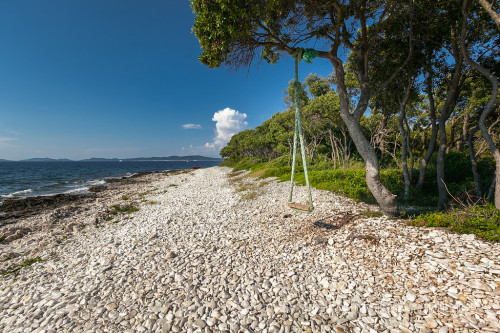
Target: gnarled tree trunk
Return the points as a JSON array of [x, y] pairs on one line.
[[489, 9], [489, 107], [434, 131], [404, 140], [384, 197], [446, 111], [472, 156]]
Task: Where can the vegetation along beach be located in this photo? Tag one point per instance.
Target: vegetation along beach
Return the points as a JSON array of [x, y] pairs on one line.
[[334, 166]]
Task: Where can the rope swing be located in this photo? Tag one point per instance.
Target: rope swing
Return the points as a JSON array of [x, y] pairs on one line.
[[307, 55]]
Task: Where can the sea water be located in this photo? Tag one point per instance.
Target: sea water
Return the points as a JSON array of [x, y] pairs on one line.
[[24, 179]]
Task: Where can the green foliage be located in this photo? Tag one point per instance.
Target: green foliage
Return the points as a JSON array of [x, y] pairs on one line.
[[235, 32], [317, 86], [14, 269], [127, 209], [349, 182], [483, 221], [224, 29], [248, 163], [367, 213]]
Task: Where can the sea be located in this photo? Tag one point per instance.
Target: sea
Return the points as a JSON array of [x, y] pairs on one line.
[[26, 179]]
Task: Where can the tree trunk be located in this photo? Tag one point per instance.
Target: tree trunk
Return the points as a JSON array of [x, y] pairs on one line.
[[443, 195], [446, 111], [384, 197], [489, 107], [473, 161], [394, 152], [434, 130], [464, 138], [404, 141], [410, 150], [452, 136], [404, 158], [489, 9], [491, 191]]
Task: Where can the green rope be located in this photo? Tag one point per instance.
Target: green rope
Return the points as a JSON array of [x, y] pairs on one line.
[[309, 55], [298, 126]]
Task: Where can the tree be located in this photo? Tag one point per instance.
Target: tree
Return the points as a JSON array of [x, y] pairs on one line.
[[491, 102], [235, 32], [489, 9]]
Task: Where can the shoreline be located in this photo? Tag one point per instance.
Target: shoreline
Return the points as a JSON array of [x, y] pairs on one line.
[[33, 179], [213, 250], [14, 208]]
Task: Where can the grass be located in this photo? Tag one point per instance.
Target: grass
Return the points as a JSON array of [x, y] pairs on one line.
[[482, 221], [351, 182], [127, 209], [236, 173], [173, 185], [125, 197], [248, 195], [367, 213], [15, 269], [246, 189]]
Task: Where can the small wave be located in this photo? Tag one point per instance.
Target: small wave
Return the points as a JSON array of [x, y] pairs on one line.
[[97, 182], [17, 193], [77, 190]]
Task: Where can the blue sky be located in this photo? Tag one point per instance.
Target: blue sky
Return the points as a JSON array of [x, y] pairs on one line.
[[121, 78]]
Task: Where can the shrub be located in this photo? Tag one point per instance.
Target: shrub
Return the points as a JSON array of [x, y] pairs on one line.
[[483, 221]]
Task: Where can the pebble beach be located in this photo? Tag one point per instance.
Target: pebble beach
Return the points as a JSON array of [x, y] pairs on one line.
[[211, 250]]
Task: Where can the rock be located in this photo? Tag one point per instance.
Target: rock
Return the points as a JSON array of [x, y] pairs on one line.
[[9, 255], [199, 323], [171, 254], [431, 324], [238, 267], [411, 297], [321, 240], [477, 284]]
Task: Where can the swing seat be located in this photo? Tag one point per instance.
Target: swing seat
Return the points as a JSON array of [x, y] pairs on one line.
[[300, 207]]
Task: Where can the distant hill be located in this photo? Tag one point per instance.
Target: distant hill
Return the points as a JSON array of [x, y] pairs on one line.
[[2, 160], [169, 158], [46, 159], [97, 159]]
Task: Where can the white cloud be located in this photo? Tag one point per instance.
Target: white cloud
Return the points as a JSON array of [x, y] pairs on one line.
[[6, 142], [228, 122], [4, 139], [192, 126]]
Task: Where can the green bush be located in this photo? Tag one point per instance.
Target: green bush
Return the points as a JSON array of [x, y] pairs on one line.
[[283, 173], [281, 161], [483, 221], [351, 182], [248, 163]]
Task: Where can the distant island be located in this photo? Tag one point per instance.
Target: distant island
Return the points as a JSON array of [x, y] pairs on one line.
[[137, 159]]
